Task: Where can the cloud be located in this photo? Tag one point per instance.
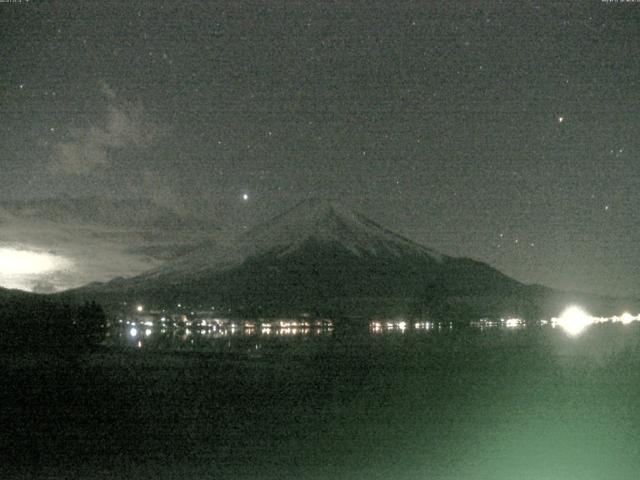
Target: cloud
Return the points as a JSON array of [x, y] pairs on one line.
[[124, 125], [106, 90], [156, 187], [44, 286], [76, 245]]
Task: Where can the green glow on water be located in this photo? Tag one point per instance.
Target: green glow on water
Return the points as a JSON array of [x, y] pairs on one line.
[[494, 404]]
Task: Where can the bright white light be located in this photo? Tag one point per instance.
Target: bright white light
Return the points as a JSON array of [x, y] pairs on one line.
[[245, 196], [133, 332], [16, 262], [627, 318], [18, 265], [139, 308], [147, 332], [513, 322], [574, 320]]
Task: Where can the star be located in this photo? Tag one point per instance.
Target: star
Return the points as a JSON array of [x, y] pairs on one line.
[[560, 119], [245, 196]]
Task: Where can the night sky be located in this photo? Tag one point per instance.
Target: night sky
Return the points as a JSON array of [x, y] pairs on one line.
[[503, 131]]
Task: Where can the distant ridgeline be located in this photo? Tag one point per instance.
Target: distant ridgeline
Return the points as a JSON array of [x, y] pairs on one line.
[[37, 323]]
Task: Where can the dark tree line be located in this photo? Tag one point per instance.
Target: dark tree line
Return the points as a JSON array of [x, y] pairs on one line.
[[35, 323]]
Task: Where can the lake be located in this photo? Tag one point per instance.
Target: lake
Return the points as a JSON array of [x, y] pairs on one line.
[[332, 401]]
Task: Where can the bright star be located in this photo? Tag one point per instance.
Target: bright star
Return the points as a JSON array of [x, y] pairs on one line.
[[245, 196], [560, 119]]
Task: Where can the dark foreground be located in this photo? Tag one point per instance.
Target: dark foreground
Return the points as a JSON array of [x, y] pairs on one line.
[[499, 404]]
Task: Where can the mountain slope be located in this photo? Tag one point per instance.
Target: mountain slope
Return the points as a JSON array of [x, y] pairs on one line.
[[313, 221], [318, 256]]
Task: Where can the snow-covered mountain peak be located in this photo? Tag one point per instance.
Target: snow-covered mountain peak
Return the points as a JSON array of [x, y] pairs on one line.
[[318, 255], [326, 221], [310, 224]]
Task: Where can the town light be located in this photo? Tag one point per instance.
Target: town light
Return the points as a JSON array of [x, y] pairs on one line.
[[574, 320]]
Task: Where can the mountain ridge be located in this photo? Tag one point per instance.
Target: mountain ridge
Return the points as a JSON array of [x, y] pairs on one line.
[[311, 220], [322, 257]]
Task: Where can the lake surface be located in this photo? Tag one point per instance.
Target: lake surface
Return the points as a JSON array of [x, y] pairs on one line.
[[331, 401]]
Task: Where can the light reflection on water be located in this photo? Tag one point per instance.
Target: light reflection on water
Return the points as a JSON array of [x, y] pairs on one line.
[[574, 320], [216, 333], [213, 333], [486, 401]]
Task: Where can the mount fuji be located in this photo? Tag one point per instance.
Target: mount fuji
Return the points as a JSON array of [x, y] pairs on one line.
[[321, 257]]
